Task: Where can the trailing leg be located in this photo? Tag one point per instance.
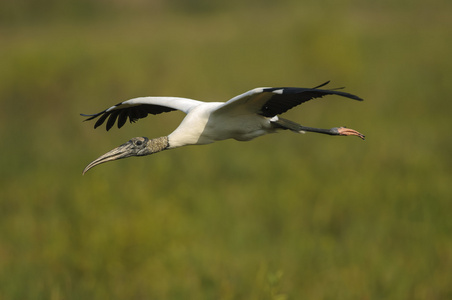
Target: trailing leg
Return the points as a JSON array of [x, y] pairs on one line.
[[287, 124]]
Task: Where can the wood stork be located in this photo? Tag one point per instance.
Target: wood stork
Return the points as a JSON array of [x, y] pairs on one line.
[[242, 118]]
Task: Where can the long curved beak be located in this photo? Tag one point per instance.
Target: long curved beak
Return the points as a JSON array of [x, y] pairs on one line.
[[122, 151]]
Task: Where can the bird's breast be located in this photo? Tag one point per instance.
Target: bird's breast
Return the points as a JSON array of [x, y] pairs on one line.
[[238, 127], [201, 126]]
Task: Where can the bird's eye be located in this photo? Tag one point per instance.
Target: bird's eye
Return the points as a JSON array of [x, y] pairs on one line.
[[138, 143]]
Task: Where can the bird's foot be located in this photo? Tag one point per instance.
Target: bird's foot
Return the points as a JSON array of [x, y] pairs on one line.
[[348, 131]]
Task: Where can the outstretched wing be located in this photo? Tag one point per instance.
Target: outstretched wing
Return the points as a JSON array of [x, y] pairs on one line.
[[270, 102], [139, 108]]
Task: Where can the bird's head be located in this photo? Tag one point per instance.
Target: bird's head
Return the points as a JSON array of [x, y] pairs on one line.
[[138, 146]]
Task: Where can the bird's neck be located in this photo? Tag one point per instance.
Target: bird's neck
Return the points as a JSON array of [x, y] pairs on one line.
[[157, 145]]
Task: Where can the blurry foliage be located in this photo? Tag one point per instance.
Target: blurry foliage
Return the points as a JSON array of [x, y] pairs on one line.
[[282, 217], [32, 11]]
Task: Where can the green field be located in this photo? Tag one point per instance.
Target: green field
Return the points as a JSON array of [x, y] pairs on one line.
[[285, 216]]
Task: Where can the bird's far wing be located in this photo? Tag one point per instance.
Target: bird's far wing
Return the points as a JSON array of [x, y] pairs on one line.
[[249, 102], [270, 102], [139, 108]]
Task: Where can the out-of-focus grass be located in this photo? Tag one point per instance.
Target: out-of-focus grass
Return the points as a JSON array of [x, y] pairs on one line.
[[282, 217]]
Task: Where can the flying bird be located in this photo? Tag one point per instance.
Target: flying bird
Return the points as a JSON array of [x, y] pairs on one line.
[[243, 118]]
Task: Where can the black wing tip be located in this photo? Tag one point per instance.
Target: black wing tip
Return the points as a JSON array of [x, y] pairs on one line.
[[90, 116], [103, 117], [94, 116], [348, 95], [351, 96], [323, 84], [298, 90]]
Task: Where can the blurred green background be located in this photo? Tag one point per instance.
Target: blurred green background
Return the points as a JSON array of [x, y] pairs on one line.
[[282, 217]]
